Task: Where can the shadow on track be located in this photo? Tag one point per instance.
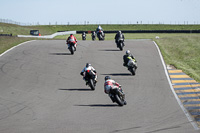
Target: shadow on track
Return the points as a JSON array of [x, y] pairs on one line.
[[118, 74], [60, 53], [76, 89], [109, 50], [99, 105]]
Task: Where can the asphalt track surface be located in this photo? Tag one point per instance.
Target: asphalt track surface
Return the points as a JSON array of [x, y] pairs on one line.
[[41, 90]]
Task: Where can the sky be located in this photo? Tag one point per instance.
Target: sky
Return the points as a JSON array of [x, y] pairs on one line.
[[47, 12]]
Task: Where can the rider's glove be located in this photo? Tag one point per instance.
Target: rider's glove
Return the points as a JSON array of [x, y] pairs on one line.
[[81, 73]]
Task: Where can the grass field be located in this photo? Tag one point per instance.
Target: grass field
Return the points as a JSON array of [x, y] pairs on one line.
[[179, 50], [50, 29]]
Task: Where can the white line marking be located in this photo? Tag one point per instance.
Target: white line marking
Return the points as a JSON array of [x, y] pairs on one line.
[[194, 124], [15, 47]]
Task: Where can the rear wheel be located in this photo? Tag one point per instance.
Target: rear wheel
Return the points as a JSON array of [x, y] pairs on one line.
[[72, 50], [91, 83], [120, 46], [119, 100], [133, 71]]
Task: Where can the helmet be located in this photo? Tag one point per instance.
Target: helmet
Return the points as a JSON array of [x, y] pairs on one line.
[[87, 64], [119, 32], [107, 77], [128, 52]]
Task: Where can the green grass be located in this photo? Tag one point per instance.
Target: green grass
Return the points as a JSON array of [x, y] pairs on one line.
[[50, 29], [182, 51], [8, 42], [179, 50]]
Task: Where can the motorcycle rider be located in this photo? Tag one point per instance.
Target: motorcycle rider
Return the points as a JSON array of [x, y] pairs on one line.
[[99, 28], [111, 84], [126, 58], [93, 34], [71, 37], [89, 67], [119, 34], [84, 35]]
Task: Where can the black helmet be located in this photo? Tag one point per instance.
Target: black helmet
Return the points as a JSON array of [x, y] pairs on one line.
[[107, 77], [88, 64]]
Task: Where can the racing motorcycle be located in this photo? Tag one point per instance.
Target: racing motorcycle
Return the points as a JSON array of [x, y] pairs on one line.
[[90, 79], [83, 36], [71, 47], [100, 35], [117, 96], [120, 43], [93, 36], [132, 65]]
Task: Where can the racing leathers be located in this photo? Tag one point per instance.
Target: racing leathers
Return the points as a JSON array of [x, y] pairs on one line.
[[119, 35], [91, 70], [71, 39], [126, 59], [111, 84]]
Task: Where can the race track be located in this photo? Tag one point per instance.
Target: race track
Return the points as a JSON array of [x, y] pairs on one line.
[[41, 90]]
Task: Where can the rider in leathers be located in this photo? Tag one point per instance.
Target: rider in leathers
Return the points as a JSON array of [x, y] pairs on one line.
[[71, 37], [119, 33], [126, 59], [99, 28], [111, 84], [90, 68]]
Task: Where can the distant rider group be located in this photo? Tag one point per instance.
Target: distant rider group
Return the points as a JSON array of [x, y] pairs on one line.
[[111, 87]]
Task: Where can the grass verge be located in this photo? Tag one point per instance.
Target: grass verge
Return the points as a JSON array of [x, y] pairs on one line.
[[7, 42], [182, 51]]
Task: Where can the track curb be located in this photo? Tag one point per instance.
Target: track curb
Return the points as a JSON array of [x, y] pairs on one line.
[[191, 118]]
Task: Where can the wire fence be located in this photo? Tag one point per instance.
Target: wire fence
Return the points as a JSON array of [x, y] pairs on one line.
[[9, 21]]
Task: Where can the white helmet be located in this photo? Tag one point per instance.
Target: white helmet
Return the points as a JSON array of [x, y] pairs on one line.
[[128, 52]]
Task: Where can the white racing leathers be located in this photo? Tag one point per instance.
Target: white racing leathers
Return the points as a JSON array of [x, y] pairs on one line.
[[90, 68]]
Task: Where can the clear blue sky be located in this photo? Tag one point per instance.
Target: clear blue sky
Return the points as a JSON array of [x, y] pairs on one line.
[[101, 11]]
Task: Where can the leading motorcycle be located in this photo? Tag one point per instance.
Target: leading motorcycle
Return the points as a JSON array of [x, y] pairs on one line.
[[100, 35], [117, 96]]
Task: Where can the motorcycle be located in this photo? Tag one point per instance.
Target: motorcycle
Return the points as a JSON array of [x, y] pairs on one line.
[[132, 65], [71, 47], [120, 43], [83, 36], [90, 79], [93, 36], [117, 96], [100, 35]]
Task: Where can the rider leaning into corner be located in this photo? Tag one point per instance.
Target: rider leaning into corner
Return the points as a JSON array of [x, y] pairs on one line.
[[111, 84], [71, 38], [126, 58], [90, 68]]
